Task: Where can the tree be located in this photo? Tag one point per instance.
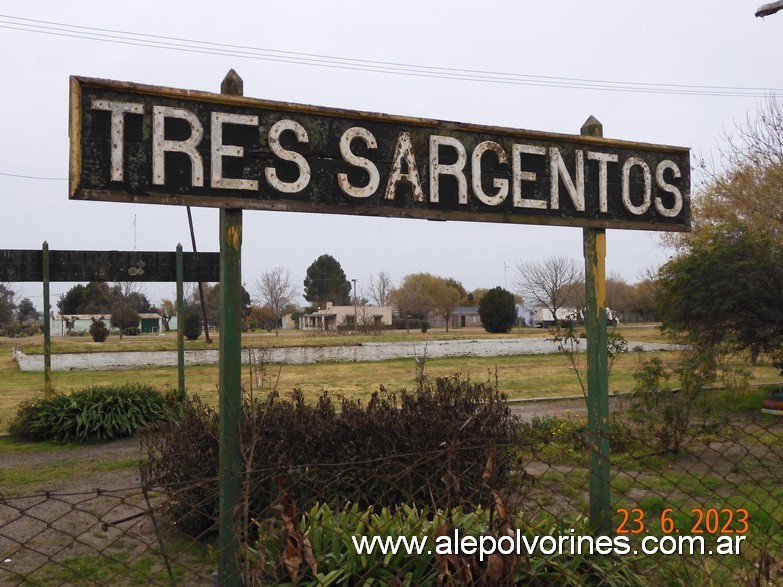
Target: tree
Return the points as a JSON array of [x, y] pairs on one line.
[[498, 310], [276, 291], [71, 301], [98, 298], [7, 305], [191, 322], [727, 289], [728, 269], [125, 319], [474, 297], [26, 312], [98, 331], [139, 302], [379, 288], [167, 306], [94, 298], [410, 299], [212, 303], [325, 281], [421, 293], [550, 283], [444, 295], [743, 186], [261, 317], [457, 285], [167, 309], [620, 296], [643, 304]]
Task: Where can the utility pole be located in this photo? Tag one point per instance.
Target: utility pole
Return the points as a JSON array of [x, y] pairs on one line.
[[200, 284], [355, 313]]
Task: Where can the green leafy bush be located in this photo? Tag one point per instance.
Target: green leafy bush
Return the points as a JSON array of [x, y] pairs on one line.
[[568, 436], [93, 414], [191, 323], [126, 320], [329, 538], [426, 447], [330, 534], [98, 331], [498, 310], [667, 413]]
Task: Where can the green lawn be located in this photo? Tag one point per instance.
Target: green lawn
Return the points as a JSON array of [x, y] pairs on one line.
[[518, 376]]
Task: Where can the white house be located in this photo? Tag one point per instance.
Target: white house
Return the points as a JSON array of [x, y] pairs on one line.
[[525, 316]]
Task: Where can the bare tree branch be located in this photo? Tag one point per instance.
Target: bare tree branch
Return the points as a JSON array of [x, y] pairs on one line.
[[275, 290], [549, 283], [379, 288]]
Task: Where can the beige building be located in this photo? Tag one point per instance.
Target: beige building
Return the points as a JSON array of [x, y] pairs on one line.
[[347, 317]]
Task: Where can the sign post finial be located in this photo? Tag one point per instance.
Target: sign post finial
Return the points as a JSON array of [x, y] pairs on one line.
[[232, 84], [592, 127]]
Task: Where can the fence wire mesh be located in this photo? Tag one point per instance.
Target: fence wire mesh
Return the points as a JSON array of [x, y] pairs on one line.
[[708, 511]]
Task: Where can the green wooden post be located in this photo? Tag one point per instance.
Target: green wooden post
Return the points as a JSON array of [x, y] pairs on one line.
[[47, 310], [597, 368], [180, 333], [230, 400]]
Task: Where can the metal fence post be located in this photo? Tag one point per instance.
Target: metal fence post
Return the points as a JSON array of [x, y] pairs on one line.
[[230, 400], [180, 331], [47, 310], [597, 367]]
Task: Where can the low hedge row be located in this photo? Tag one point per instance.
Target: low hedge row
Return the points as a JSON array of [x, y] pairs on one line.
[[428, 447]]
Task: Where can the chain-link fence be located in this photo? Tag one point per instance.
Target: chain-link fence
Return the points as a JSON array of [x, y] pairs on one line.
[[693, 503]]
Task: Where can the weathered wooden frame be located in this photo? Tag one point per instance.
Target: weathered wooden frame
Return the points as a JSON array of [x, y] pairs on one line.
[[90, 172]]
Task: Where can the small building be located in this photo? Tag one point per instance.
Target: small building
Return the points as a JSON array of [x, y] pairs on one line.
[[76, 324], [526, 316], [79, 324], [150, 323], [461, 317], [347, 317]]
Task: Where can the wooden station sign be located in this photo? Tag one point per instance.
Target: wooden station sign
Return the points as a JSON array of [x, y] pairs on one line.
[[147, 266], [135, 143]]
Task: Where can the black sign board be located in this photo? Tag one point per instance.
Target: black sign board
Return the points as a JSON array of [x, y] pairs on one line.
[[134, 143], [146, 266]]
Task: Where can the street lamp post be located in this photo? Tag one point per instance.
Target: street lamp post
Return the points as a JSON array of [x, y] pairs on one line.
[[770, 8]]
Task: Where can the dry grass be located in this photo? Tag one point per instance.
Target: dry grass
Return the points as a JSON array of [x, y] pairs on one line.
[[287, 338], [518, 376]]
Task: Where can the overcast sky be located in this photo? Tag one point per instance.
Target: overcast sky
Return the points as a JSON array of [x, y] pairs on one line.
[[669, 72]]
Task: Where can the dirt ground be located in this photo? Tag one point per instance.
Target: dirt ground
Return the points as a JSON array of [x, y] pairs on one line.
[[108, 451], [526, 410]]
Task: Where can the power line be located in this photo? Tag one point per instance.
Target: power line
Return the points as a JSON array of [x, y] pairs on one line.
[[345, 63], [33, 177]]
